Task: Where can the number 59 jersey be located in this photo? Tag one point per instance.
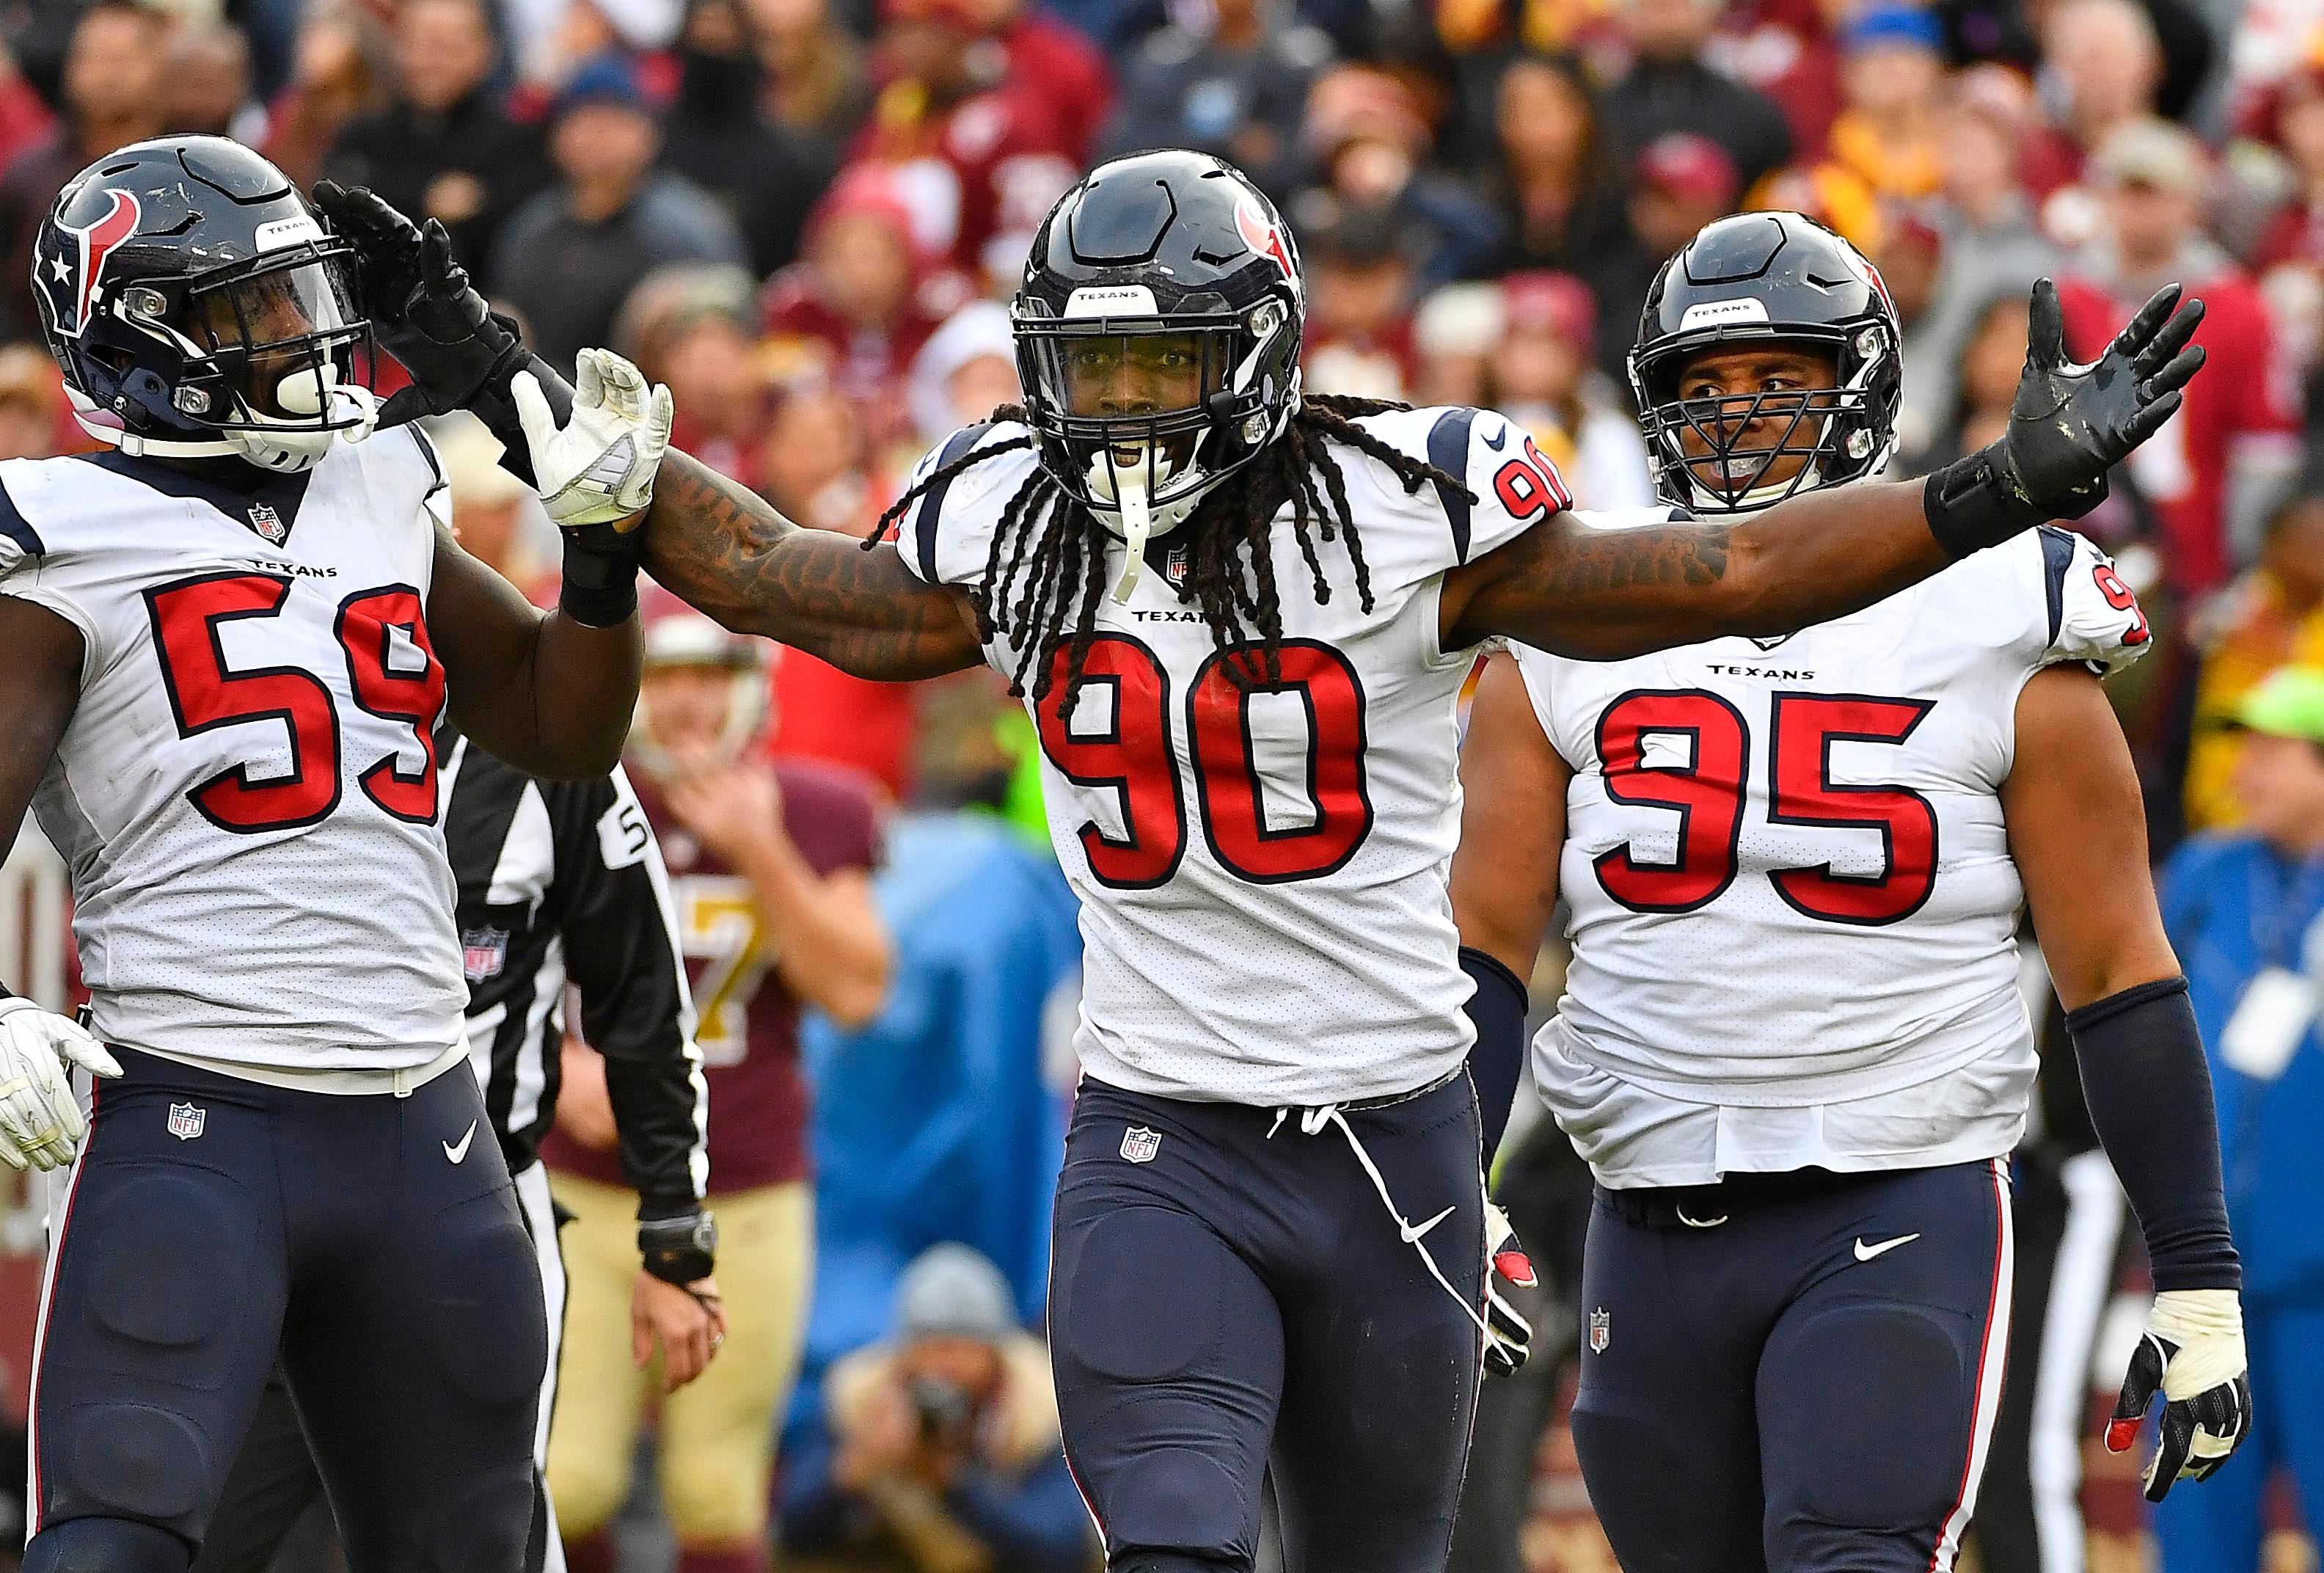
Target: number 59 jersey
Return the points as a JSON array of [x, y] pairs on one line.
[[1793, 903], [1261, 867], [247, 794]]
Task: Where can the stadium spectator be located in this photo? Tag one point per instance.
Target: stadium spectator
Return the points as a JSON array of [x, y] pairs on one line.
[[2106, 64], [980, 150], [2274, 616], [770, 884], [495, 516], [1540, 376], [1359, 303], [2233, 438], [817, 82], [1670, 86], [2246, 913], [1680, 182], [112, 95], [862, 298], [1055, 60], [445, 147], [1992, 247], [938, 1452], [965, 371], [339, 71], [24, 114], [1452, 336], [1788, 49], [812, 459], [568, 258], [205, 83], [1558, 179], [1370, 148], [1981, 385], [691, 326], [768, 174], [1888, 134], [1230, 78], [2293, 119]]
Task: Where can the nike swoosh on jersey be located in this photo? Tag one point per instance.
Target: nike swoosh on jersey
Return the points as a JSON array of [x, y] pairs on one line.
[[1498, 439], [461, 1151], [1865, 1253]]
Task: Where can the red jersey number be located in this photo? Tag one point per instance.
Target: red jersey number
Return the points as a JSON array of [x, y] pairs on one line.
[[1132, 756], [205, 693], [2119, 596], [1690, 751]]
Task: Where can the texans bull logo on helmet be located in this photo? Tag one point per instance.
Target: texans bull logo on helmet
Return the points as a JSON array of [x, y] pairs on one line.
[[72, 269], [1259, 233]]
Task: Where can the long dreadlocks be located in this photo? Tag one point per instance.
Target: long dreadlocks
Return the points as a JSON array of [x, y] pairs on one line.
[[1048, 561]]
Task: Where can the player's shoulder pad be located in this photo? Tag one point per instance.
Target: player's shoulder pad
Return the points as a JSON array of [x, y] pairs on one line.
[[1505, 484], [946, 535], [2088, 613]]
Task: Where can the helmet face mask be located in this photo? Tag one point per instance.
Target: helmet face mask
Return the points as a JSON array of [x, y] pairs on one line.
[[1157, 336], [198, 310], [1781, 284]]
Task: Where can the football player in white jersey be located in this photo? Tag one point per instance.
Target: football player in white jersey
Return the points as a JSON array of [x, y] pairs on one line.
[[1791, 1044], [1241, 619], [230, 634]]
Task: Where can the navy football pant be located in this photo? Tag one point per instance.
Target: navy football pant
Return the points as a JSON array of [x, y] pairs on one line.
[[1228, 1292], [374, 1241], [1794, 1373]]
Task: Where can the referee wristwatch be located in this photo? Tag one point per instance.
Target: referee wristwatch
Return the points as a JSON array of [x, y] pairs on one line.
[[681, 1250]]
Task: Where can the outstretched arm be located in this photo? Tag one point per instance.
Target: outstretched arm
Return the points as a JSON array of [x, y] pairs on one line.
[[1605, 594], [724, 549]]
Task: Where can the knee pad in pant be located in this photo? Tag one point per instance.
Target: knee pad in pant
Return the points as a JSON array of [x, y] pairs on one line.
[[107, 1545]]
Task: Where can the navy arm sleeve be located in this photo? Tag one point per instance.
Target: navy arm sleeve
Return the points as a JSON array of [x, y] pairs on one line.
[[622, 953], [1496, 1059], [2149, 1090]]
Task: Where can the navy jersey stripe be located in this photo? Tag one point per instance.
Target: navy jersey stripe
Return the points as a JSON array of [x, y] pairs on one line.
[[932, 500], [17, 528], [1448, 450], [2057, 557]]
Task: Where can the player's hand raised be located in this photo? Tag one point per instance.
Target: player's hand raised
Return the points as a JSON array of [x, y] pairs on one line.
[[2192, 1351], [596, 468], [41, 1123], [2069, 424]]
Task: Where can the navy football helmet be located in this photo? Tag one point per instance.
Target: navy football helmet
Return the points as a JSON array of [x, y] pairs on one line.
[[1157, 336], [1760, 278], [199, 309]]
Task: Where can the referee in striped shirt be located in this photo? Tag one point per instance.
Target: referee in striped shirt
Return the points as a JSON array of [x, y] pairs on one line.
[[557, 881]]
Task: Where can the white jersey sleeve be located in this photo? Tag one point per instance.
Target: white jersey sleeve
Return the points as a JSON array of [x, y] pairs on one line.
[[946, 536], [2091, 615]]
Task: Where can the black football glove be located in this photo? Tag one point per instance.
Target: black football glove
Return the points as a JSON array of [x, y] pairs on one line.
[[2192, 1352], [460, 353], [2069, 425]]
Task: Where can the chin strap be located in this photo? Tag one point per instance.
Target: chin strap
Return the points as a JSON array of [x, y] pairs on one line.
[[1137, 523]]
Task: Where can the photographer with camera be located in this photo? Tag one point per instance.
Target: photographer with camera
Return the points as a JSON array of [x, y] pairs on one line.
[[938, 1451]]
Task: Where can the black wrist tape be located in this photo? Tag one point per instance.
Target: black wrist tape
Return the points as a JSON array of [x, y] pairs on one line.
[[1971, 506], [601, 573]]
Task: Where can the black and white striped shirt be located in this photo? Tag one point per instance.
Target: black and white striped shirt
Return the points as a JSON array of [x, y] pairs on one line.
[[559, 878]]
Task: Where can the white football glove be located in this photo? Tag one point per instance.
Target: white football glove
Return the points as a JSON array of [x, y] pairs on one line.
[[1509, 1336], [41, 1123], [2193, 1351], [598, 467]]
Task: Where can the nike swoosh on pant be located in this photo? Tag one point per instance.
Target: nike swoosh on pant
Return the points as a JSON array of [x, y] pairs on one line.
[[1865, 1253], [461, 1151]]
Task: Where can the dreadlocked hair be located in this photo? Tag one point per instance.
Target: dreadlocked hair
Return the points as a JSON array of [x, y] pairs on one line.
[[1046, 574]]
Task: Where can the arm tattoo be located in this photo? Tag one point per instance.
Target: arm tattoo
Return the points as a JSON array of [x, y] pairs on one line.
[[1591, 562], [720, 547]]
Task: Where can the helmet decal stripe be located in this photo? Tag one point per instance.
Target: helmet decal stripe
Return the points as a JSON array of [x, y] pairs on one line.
[[98, 242]]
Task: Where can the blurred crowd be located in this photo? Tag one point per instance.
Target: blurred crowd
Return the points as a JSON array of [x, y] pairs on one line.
[[805, 215]]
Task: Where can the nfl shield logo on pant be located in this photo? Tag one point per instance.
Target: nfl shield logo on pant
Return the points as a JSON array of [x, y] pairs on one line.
[[186, 1121], [1601, 1330], [1140, 1144]]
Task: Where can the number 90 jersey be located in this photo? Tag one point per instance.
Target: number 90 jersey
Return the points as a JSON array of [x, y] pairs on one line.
[[1792, 904], [1262, 869], [247, 794]]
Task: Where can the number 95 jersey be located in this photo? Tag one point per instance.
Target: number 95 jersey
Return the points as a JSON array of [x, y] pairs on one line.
[[1792, 904], [247, 793], [1262, 868]]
